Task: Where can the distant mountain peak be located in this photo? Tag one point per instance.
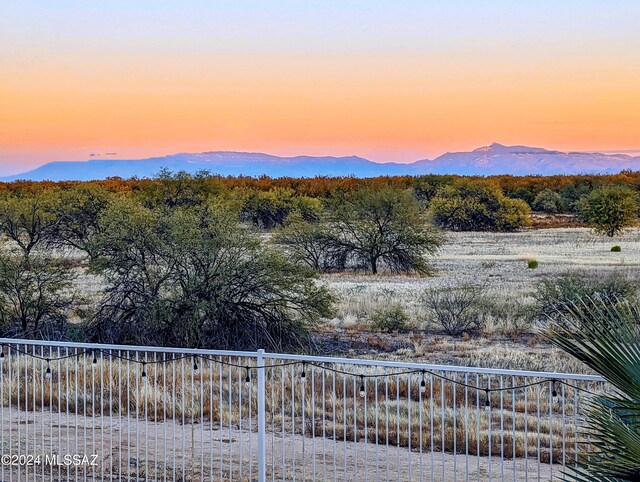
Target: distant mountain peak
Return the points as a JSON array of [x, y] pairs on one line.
[[496, 147]]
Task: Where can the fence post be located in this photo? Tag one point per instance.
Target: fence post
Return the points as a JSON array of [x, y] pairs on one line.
[[262, 454]]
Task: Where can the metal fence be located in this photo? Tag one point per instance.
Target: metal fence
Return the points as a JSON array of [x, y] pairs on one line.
[[73, 411]]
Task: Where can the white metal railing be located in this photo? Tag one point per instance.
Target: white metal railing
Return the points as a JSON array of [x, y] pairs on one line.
[[150, 413]]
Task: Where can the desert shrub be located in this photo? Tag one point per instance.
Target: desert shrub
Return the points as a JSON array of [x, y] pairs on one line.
[[35, 286], [78, 214], [194, 276], [523, 194], [308, 208], [28, 219], [384, 227], [171, 189], [609, 209], [573, 192], [558, 297], [390, 318], [548, 201], [616, 249], [34, 295], [457, 308], [270, 209], [477, 206], [532, 264], [310, 244], [426, 187], [513, 316]]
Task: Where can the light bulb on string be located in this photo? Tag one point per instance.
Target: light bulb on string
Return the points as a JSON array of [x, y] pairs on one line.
[[2, 354], [423, 384], [554, 394], [94, 363], [144, 372], [196, 370], [487, 403], [303, 375], [362, 389], [47, 373], [247, 379]]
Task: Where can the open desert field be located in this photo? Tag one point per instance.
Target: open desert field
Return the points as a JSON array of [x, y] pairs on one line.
[[497, 262]]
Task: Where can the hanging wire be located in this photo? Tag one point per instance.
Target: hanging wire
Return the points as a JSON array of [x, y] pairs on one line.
[[304, 363]]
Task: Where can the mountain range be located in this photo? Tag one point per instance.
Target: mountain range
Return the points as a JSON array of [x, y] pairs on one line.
[[484, 161]]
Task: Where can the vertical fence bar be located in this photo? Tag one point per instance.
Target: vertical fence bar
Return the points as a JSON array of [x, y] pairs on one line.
[[538, 426], [454, 388], [262, 453], [550, 398], [433, 466], [514, 426], [466, 426], [442, 423], [526, 434], [501, 429]]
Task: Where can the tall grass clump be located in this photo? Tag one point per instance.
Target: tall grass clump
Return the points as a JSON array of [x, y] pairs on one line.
[[456, 309], [391, 318], [556, 297]]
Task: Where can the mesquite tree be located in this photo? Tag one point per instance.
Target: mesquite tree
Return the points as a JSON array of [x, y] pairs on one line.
[[194, 276]]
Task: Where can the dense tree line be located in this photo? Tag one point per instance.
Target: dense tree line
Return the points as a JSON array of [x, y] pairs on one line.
[[519, 187]]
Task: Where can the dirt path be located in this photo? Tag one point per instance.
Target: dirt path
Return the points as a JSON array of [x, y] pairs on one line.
[[130, 449]]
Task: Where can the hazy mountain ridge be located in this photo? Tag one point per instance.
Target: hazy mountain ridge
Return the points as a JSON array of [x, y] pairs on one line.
[[484, 161], [522, 160]]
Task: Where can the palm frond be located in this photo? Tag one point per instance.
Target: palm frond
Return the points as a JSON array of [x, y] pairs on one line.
[[605, 335]]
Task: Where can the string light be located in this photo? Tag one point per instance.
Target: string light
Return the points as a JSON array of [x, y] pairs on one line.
[[488, 390], [47, 373], [554, 393]]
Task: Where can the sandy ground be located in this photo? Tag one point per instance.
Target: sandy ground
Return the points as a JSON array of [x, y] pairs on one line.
[[130, 449]]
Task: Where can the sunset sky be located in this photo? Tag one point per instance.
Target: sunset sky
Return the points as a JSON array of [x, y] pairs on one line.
[[388, 80]]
